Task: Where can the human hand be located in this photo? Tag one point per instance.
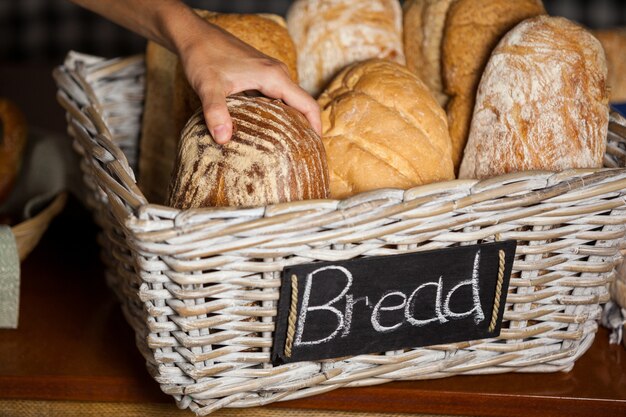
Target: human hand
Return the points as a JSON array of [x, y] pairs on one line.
[[218, 64]]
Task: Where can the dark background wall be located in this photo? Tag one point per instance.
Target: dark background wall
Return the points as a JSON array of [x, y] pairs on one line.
[[43, 31]]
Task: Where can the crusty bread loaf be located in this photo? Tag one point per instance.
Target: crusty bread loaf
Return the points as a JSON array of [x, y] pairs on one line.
[[274, 156], [383, 128], [473, 28], [614, 43], [12, 145], [542, 102], [167, 108], [331, 34], [158, 137], [259, 31], [424, 22]]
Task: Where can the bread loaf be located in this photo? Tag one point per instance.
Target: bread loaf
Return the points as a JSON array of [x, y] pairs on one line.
[[274, 156], [614, 43], [331, 34], [424, 22], [170, 101], [542, 102], [158, 135], [473, 28], [259, 31], [382, 127], [12, 145]]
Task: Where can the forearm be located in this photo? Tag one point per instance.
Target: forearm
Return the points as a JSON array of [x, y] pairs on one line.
[[162, 21]]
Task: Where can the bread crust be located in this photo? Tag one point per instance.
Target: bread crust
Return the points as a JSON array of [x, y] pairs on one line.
[[542, 102], [274, 156], [332, 34], [382, 127], [424, 22], [614, 43], [473, 29]]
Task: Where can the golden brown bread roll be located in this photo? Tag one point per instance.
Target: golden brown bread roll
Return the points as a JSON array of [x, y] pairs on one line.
[[12, 145], [332, 34], [424, 22], [542, 102], [382, 127], [473, 28], [170, 101], [274, 156], [614, 43]]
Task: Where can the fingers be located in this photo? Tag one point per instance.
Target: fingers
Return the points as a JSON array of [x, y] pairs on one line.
[[279, 85], [216, 116]]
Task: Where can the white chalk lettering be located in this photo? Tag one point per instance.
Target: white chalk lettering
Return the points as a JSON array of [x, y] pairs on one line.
[[378, 308], [477, 310], [305, 309], [409, 309], [350, 302]]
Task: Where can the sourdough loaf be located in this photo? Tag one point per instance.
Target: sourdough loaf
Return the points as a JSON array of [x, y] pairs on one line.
[[171, 101], [382, 127], [331, 34], [614, 43], [473, 28], [424, 22], [274, 156], [542, 102], [12, 145]]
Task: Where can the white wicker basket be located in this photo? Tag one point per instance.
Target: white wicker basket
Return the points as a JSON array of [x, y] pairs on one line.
[[200, 287]]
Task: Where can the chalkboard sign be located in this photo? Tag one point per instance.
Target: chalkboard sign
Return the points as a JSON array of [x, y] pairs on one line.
[[377, 304]]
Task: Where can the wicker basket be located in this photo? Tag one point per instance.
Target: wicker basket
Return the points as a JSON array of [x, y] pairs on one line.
[[200, 287], [29, 232]]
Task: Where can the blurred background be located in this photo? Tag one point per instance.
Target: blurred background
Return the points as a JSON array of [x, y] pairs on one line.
[[44, 30], [35, 35]]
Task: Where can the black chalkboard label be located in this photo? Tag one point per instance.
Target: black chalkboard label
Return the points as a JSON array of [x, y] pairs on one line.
[[376, 304]]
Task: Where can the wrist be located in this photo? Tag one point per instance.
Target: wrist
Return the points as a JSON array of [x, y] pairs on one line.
[[175, 21], [180, 25]]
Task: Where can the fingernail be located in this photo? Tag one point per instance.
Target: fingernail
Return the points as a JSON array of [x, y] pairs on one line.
[[220, 134]]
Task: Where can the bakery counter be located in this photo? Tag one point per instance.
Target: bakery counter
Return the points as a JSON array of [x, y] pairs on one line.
[[74, 349]]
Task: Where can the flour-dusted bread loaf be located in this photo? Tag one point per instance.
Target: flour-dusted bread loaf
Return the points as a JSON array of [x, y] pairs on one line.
[[542, 102], [473, 29], [383, 128], [12, 145], [614, 43], [273, 157], [332, 34], [424, 23]]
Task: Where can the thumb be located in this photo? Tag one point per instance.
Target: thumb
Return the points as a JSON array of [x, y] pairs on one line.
[[217, 117]]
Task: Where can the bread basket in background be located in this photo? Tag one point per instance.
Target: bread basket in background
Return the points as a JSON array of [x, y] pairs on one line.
[[200, 287]]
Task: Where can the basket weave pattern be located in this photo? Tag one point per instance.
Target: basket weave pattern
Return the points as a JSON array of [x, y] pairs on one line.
[[200, 287]]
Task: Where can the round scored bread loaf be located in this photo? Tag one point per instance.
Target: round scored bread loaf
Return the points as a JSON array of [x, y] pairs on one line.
[[332, 34], [274, 156], [542, 102], [382, 127], [473, 29], [12, 145]]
